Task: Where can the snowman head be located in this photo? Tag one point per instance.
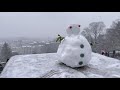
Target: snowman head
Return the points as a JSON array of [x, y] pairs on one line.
[[73, 29]]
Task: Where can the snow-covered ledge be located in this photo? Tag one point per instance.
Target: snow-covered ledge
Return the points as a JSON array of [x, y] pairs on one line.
[[47, 66]]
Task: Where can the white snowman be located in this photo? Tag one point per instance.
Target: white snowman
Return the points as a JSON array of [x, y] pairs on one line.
[[74, 50]]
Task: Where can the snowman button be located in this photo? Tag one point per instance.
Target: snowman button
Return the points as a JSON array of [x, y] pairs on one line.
[[80, 63], [81, 55], [82, 46]]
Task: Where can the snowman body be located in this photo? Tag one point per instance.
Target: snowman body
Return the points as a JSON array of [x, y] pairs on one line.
[[74, 50]]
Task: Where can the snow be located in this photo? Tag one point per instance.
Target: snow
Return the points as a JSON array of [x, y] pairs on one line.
[[48, 66], [70, 51]]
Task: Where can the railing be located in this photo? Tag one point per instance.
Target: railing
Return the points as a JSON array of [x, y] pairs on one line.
[[50, 74]]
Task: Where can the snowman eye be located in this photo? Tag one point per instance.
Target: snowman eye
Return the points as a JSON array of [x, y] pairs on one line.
[[78, 25], [70, 27], [82, 46]]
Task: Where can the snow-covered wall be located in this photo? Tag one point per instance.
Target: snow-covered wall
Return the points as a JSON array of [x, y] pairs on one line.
[[47, 66]]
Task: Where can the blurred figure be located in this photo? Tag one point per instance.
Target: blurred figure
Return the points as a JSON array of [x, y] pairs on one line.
[[108, 54], [113, 53], [91, 44], [103, 52]]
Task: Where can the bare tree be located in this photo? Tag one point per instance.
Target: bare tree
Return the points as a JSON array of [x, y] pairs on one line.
[[101, 43], [87, 34], [113, 35], [93, 31]]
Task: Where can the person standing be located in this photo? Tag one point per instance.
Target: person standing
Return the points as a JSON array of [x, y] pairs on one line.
[[113, 53], [102, 52]]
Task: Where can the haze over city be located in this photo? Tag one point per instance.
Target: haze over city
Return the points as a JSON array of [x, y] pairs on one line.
[[48, 24]]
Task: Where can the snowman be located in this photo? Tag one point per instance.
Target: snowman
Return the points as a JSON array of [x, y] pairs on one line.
[[74, 50]]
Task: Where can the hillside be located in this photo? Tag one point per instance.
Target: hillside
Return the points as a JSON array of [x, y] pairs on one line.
[[48, 66]]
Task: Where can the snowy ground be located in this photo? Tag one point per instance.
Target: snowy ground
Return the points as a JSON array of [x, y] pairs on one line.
[[47, 66]]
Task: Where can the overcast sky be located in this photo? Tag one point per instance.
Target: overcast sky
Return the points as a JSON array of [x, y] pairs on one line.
[[48, 24]]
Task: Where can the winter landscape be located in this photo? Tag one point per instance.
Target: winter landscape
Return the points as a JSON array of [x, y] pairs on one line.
[[60, 45]]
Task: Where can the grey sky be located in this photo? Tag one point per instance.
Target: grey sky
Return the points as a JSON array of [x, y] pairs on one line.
[[48, 24]]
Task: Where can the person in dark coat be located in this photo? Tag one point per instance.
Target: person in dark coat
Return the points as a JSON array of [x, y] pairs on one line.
[[113, 53], [91, 44], [7, 60], [103, 53]]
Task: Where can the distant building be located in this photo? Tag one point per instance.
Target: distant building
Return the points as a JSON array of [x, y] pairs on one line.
[[37, 48], [23, 49]]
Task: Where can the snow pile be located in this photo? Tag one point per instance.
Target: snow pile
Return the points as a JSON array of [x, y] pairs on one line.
[[48, 66], [74, 50]]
